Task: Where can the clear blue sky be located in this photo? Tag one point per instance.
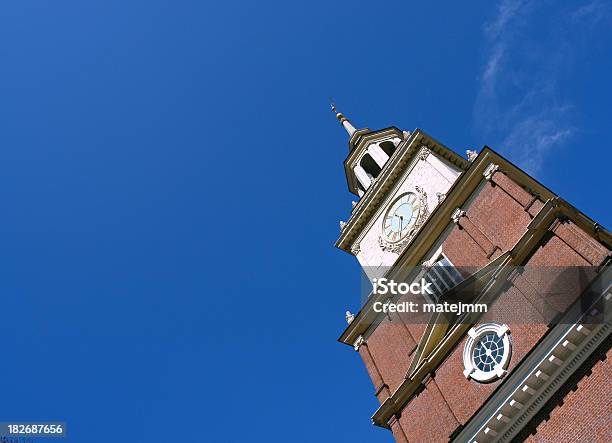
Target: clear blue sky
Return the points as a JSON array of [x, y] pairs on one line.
[[171, 183]]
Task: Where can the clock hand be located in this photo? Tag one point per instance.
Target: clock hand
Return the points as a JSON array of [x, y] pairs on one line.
[[395, 216]]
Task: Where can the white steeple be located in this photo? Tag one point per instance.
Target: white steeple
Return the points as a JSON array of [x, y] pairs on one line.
[[344, 121]]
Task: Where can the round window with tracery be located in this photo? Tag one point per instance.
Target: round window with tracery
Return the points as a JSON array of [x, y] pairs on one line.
[[487, 352]]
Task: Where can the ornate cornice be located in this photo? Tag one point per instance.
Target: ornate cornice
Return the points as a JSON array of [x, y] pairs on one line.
[[424, 154]]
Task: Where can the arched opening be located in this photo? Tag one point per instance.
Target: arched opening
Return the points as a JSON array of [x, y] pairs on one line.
[[388, 147], [370, 166]]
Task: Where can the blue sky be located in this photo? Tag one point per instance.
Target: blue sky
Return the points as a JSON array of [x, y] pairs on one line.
[[171, 182]]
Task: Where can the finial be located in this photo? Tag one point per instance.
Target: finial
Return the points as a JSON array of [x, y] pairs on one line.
[[349, 317], [343, 120], [333, 106], [339, 115], [471, 155]]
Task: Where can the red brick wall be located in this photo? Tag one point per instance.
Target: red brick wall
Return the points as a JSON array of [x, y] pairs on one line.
[[494, 220], [428, 418], [391, 346]]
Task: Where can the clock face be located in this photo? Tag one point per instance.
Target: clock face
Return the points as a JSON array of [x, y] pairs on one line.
[[401, 217]]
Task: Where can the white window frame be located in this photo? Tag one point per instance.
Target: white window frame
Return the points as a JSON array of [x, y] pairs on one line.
[[474, 336]]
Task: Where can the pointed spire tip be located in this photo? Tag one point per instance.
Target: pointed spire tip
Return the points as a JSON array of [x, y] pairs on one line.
[[339, 115], [343, 120]]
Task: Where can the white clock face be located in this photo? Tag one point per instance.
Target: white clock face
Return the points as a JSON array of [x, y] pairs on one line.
[[401, 217]]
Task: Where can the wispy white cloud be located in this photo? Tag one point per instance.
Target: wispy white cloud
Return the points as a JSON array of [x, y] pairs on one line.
[[519, 108], [508, 10], [534, 136]]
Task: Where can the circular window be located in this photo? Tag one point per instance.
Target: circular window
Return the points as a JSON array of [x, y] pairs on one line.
[[487, 352]]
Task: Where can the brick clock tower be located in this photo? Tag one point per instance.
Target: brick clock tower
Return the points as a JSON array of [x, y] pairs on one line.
[[478, 228]]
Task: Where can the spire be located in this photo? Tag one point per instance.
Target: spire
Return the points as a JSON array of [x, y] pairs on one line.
[[343, 120]]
